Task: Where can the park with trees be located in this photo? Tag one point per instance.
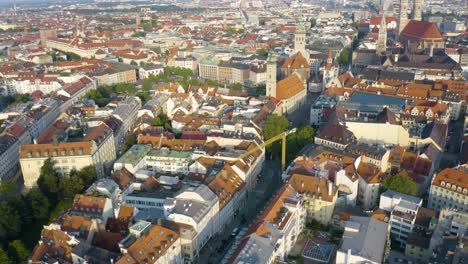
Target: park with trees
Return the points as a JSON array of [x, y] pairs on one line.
[[23, 215]]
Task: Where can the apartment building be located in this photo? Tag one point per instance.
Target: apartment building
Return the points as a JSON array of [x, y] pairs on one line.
[[97, 149], [85, 51], [116, 73], [230, 72], [275, 231], [44, 84], [196, 212], [364, 241], [321, 199], [149, 243], [231, 191], [449, 189], [29, 125], [92, 207], [164, 160], [369, 181], [403, 211], [208, 69]]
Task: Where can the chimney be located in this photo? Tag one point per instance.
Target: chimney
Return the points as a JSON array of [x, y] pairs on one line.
[[431, 50], [396, 57], [330, 188]]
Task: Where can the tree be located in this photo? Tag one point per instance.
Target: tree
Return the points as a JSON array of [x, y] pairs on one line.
[[18, 251], [6, 186], [48, 181], [400, 183], [273, 126], [130, 141], [298, 140], [260, 90], [147, 27], [10, 222], [40, 206], [4, 259], [88, 175], [72, 56], [343, 59], [70, 186], [146, 85], [262, 52], [144, 96], [134, 63]]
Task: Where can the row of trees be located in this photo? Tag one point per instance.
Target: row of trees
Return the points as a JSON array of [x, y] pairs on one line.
[[23, 215]]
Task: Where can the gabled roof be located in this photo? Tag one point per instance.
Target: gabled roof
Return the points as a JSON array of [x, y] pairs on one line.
[[419, 30], [289, 87], [296, 62]]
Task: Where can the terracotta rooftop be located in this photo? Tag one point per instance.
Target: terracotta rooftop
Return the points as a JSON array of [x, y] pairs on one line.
[[314, 186], [150, 246], [421, 30], [455, 179], [289, 87]]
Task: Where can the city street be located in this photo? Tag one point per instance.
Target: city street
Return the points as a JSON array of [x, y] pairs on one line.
[[215, 250]]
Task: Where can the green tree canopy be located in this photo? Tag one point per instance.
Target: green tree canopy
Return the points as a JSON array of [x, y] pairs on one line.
[[401, 184], [162, 120], [48, 181], [70, 186], [273, 126], [10, 222], [146, 85], [134, 63], [18, 251], [87, 174], [4, 259], [6, 186], [298, 140], [262, 52], [343, 59], [40, 205]]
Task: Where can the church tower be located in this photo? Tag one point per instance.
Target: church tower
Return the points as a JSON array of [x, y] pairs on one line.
[[417, 10], [382, 38], [271, 76], [137, 21], [300, 36], [330, 70], [403, 16]]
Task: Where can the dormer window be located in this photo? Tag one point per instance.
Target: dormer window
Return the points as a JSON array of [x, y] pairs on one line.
[[54, 153], [46, 153], [72, 152], [454, 187], [29, 154], [64, 152], [442, 184], [80, 151]]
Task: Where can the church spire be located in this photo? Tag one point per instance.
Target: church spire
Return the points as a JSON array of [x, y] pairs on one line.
[[382, 38]]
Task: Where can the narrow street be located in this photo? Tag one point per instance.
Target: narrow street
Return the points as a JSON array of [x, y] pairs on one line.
[[215, 250]]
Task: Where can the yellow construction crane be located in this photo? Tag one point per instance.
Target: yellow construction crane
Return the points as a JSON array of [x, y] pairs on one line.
[[281, 136]]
